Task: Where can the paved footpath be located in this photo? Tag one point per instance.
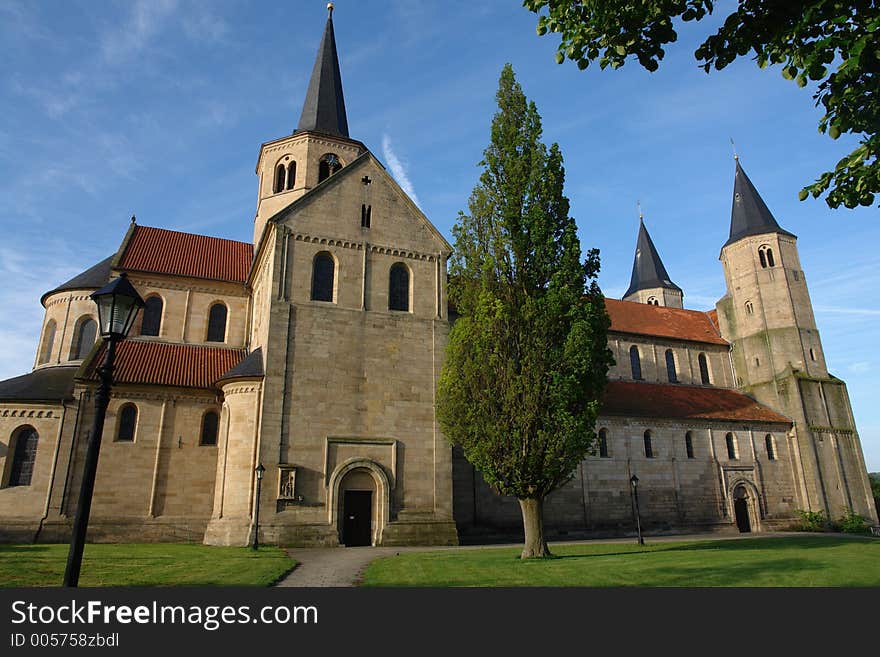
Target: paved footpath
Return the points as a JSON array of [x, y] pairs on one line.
[[341, 566]]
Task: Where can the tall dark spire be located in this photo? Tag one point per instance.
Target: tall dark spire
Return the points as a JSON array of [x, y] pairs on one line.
[[750, 215], [648, 270], [324, 107]]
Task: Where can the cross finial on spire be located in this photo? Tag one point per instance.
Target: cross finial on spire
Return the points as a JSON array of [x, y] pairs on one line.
[[330, 9], [735, 155], [133, 219], [639, 206]]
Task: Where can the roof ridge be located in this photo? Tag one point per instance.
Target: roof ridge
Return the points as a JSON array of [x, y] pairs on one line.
[[183, 232]]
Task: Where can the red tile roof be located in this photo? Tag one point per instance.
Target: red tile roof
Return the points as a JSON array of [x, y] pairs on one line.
[[184, 254], [659, 321], [664, 400], [160, 363]]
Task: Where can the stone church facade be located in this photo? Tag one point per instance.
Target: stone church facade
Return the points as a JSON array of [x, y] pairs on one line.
[[315, 351]]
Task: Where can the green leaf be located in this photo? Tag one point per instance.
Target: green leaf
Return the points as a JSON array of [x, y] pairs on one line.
[[834, 132], [560, 58], [803, 194]]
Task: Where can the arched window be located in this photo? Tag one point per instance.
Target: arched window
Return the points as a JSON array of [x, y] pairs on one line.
[[765, 255], [771, 447], [48, 342], [670, 367], [152, 320], [689, 444], [732, 453], [652, 301], [398, 287], [704, 369], [366, 211], [649, 447], [217, 323], [323, 270], [210, 423], [328, 165], [128, 416], [635, 363], [24, 450], [279, 179], [83, 338], [291, 175], [750, 309], [603, 443]]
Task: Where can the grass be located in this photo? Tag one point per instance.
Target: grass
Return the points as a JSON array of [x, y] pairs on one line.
[[795, 561], [156, 564]]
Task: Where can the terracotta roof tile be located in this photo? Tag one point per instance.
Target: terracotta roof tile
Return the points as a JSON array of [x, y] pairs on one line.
[[160, 363], [663, 322], [663, 400], [184, 254]]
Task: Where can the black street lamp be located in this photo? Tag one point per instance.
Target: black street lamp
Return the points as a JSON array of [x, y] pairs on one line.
[[635, 488], [118, 305], [259, 470]]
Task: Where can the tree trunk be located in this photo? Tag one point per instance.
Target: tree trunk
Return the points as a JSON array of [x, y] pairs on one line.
[[533, 523]]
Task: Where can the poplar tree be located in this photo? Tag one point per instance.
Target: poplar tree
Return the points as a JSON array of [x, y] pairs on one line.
[[527, 359]]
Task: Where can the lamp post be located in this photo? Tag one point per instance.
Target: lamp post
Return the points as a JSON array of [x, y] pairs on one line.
[[634, 481], [259, 470], [118, 305]]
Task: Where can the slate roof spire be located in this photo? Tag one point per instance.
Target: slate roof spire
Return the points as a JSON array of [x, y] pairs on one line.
[[648, 270], [324, 108], [749, 215]]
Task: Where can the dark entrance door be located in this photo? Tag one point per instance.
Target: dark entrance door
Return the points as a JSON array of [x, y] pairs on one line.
[[357, 517], [741, 509]]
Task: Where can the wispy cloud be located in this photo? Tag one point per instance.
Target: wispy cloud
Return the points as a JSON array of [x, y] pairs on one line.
[[848, 311], [145, 20], [860, 367], [398, 169]]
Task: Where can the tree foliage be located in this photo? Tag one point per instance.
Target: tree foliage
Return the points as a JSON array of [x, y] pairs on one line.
[[834, 43], [527, 359]]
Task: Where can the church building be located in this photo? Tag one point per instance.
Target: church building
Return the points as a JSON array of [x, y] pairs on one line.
[[314, 351]]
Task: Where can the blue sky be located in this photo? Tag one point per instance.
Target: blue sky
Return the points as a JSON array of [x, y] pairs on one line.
[[158, 108]]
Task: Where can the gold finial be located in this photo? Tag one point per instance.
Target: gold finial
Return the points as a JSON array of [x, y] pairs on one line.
[[735, 156], [330, 8]]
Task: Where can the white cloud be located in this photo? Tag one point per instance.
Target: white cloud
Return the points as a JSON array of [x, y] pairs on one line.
[[144, 22], [398, 170]]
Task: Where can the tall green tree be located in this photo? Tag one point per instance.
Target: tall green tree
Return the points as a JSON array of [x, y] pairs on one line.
[[834, 43], [527, 359]]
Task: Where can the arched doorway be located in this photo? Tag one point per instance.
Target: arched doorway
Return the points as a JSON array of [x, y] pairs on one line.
[[357, 496], [741, 509]]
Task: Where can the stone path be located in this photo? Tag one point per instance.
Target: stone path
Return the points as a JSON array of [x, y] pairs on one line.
[[341, 566]]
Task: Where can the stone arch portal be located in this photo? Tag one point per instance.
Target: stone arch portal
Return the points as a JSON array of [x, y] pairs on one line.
[[356, 488], [745, 506]]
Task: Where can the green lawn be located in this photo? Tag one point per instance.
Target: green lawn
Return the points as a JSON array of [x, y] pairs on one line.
[[794, 561], [156, 564]]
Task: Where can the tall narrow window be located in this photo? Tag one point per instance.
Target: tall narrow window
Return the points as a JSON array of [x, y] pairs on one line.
[[48, 342], [84, 337], [763, 258], [771, 447], [328, 165], [217, 323], [812, 354], [279, 179], [128, 415], [24, 456], [670, 367], [635, 363], [398, 287], [750, 308], [649, 447], [765, 255], [323, 270], [366, 211], [152, 320], [704, 369], [689, 444], [770, 257], [210, 423], [603, 443], [731, 447], [291, 175]]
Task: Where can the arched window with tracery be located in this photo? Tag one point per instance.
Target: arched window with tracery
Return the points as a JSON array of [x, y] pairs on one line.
[[217, 323], [327, 166], [84, 335], [152, 319], [398, 287], [210, 424], [127, 424], [323, 272], [48, 342], [23, 446], [635, 363], [765, 256]]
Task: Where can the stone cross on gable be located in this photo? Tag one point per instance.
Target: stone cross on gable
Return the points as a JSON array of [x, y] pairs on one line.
[[366, 180]]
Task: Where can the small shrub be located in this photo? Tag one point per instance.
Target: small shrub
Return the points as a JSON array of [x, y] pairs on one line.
[[812, 521], [853, 523]]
